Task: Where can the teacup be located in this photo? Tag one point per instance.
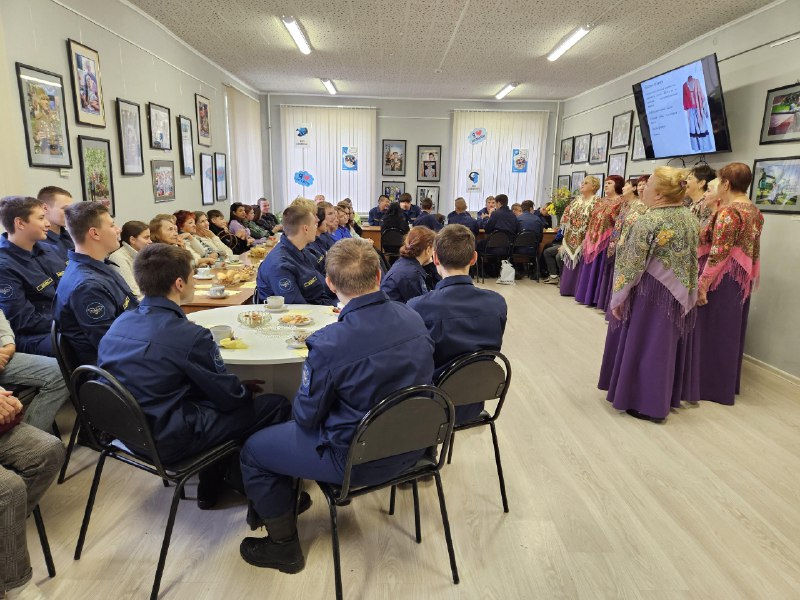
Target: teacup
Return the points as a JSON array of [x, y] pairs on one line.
[[219, 264], [216, 291], [300, 336], [204, 272], [220, 332], [275, 302]]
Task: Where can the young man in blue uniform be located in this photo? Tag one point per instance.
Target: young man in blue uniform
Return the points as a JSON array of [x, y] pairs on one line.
[[289, 272], [410, 211], [530, 221], [460, 317], [29, 273], [377, 213], [92, 293], [376, 347], [460, 216], [55, 200], [175, 371], [486, 211], [426, 217]]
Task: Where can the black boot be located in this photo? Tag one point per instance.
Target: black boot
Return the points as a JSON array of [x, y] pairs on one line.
[[254, 521], [279, 550], [210, 485]]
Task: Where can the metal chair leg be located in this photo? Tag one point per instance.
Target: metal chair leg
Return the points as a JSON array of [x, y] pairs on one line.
[[48, 557], [70, 447], [499, 467], [391, 499], [90, 504], [446, 525], [450, 450], [416, 510], [337, 567], [162, 559]]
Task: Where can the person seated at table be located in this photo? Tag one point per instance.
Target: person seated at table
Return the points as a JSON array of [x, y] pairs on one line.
[[460, 216], [410, 211], [318, 248], [377, 213], [239, 243], [460, 317], [516, 208], [266, 219], [394, 219], [55, 200], [207, 238], [205, 255], [407, 278], [529, 221], [175, 371], [355, 217], [486, 211], [502, 218], [251, 214], [388, 348], [427, 218], [545, 215], [29, 273], [164, 230], [342, 230], [134, 236], [289, 272], [350, 224], [239, 223]]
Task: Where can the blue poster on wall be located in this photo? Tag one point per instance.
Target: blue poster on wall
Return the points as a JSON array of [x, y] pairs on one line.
[[349, 158], [519, 160], [477, 135], [304, 178]]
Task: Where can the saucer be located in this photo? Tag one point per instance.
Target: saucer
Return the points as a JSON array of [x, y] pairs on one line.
[[222, 297], [204, 278], [283, 308], [295, 345]]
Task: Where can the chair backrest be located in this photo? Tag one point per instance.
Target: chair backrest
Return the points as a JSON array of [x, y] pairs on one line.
[[392, 239], [498, 239], [527, 239], [477, 377], [65, 356]]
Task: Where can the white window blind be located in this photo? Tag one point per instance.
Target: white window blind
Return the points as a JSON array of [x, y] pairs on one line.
[[245, 162]]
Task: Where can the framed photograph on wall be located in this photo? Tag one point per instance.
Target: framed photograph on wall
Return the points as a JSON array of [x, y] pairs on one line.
[[41, 98], [617, 163], [431, 192], [207, 179], [187, 145], [637, 153], [563, 182], [429, 163], [96, 174], [776, 184], [393, 189], [581, 151], [576, 179], [87, 89], [781, 115], [598, 148], [160, 132], [394, 158], [163, 180], [129, 131], [621, 129], [566, 151], [203, 110], [221, 175], [602, 179]]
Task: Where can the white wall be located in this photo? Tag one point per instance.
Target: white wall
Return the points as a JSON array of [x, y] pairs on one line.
[[139, 61], [747, 72]]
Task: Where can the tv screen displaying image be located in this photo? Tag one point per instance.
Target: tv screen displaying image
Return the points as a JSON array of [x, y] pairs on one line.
[[682, 112]]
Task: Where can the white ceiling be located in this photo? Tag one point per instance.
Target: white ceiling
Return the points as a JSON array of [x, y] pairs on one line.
[[391, 48]]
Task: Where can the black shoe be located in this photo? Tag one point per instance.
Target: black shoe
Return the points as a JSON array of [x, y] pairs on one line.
[[637, 415], [207, 493], [286, 556], [254, 521]]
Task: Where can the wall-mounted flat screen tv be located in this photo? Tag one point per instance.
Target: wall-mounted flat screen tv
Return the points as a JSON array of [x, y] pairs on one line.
[[682, 112]]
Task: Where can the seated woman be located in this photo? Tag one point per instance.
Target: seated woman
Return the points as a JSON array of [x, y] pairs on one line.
[[252, 213], [239, 223], [238, 242], [134, 236], [353, 222], [394, 219], [207, 238], [342, 231], [408, 278], [204, 255], [163, 230]]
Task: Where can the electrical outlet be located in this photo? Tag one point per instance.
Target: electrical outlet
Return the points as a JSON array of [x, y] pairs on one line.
[[64, 173]]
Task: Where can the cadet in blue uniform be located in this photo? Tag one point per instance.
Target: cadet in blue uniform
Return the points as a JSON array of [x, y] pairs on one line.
[[460, 216], [376, 347], [174, 369], [426, 217], [55, 200], [287, 271], [92, 293], [460, 317], [502, 218], [29, 273], [408, 278], [377, 213], [410, 211], [486, 211]]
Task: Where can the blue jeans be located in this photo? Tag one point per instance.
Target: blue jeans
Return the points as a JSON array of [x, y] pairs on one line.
[[39, 372]]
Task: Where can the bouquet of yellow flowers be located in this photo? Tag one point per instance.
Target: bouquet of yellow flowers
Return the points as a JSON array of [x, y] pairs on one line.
[[559, 198]]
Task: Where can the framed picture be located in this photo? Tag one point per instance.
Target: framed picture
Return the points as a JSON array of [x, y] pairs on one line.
[[163, 180], [187, 145], [203, 108], [598, 149], [602, 178], [637, 153], [616, 163], [563, 182], [160, 133], [621, 129], [394, 158], [782, 115], [87, 89], [221, 175], [393, 189], [429, 163], [576, 180], [431, 192], [41, 98], [207, 179], [581, 152], [776, 184], [96, 174], [129, 131], [566, 151]]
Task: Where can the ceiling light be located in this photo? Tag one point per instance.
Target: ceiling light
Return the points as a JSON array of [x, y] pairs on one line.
[[785, 41], [569, 41], [297, 34], [505, 91], [329, 86]]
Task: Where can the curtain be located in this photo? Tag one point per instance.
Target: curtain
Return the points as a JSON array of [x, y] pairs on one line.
[[245, 162], [317, 151], [486, 168]]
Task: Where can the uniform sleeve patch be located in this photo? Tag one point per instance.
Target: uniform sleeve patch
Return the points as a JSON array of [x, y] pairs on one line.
[[285, 284], [95, 311], [305, 383], [6, 289], [216, 358]]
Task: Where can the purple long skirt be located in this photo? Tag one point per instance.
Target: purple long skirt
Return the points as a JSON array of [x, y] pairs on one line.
[[644, 358], [603, 295], [569, 279], [589, 280]]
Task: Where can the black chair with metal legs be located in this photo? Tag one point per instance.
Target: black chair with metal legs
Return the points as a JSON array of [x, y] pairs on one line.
[[526, 245], [414, 418], [498, 246], [67, 363], [118, 427], [391, 242], [48, 557]]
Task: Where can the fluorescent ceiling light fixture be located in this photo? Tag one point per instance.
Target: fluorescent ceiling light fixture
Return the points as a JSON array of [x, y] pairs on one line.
[[329, 86], [297, 34], [569, 41], [506, 91], [786, 41]]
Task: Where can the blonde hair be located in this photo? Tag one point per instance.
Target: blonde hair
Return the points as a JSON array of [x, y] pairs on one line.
[[352, 266], [305, 203], [592, 181], [670, 182]]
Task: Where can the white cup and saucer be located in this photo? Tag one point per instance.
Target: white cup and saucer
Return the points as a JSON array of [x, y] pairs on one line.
[[217, 291], [275, 304], [220, 332], [204, 273]]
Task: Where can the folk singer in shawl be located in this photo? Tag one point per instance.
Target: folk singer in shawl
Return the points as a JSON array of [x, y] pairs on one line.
[[574, 223]]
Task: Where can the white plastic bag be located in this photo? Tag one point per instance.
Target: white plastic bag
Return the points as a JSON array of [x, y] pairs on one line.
[[506, 273]]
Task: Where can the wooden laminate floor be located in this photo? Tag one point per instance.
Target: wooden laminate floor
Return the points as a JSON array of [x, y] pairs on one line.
[[602, 505]]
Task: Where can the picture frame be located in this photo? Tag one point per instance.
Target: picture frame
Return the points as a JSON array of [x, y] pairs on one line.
[[203, 114], [163, 172], [158, 118], [567, 145], [621, 129], [186, 145], [87, 88], [602, 178], [207, 179], [637, 150], [598, 148], [431, 192], [394, 158], [563, 182], [580, 154], [776, 184], [617, 163], [393, 189], [97, 176], [781, 122], [44, 118], [429, 163], [129, 133], [575, 181], [221, 175]]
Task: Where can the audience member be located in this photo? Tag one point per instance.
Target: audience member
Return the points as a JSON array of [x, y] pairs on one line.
[[319, 198], [460, 216], [407, 277], [394, 219], [342, 229], [552, 257], [501, 219], [486, 211], [427, 218], [352, 226], [134, 236], [546, 215], [239, 242], [527, 220], [239, 224], [410, 211], [516, 208], [207, 238], [252, 213], [55, 200], [203, 255], [377, 213], [266, 219], [324, 240]]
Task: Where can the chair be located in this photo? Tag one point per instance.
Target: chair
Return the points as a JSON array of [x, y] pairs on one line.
[[117, 426], [414, 418], [391, 242], [67, 363], [526, 245], [48, 557], [478, 377], [500, 244]]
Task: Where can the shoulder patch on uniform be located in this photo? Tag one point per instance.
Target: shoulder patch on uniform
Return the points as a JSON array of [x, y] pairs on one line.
[[216, 358], [6, 289], [44, 284], [285, 284], [96, 310], [305, 382]]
